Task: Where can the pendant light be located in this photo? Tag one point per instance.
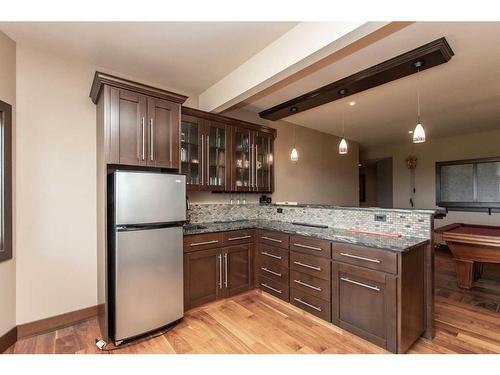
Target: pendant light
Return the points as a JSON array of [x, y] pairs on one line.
[[343, 142], [419, 132], [294, 156]]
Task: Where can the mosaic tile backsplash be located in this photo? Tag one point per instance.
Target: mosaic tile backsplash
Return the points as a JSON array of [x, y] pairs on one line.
[[405, 222]]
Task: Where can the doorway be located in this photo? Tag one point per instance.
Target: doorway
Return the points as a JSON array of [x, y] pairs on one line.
[[375, 183]]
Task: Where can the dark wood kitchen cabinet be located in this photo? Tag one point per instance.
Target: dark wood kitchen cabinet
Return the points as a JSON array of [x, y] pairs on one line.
[[202, 270], [223, 154], [252, 155], [217, 272], [140, 123], [204, 153], [380, 295], [366, 303]]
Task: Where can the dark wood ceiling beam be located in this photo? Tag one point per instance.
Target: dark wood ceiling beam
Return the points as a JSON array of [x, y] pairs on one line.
[[431, 54]]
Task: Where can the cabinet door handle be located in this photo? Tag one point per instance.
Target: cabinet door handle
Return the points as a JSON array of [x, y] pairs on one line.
[[308, 247], [202, 157], [143, 155], [376, 288], [270, 255], [203, 243], [270, 287], [208, 160], [360, 258], [225, 270], [271, 272], [238, 238], [307, 265], [271, 239], [256, 172], [300, 282], [151, 139], [308, 304], [220, 271]]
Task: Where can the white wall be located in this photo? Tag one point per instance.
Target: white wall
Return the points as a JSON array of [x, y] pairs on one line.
[[56, 196], [463, 146], [56, 153], [8, 268]]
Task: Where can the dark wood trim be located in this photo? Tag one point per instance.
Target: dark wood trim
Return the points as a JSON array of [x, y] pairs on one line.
[[6, 120], [101, 79], [56, 322], [8, 339], [227, 120], [432, 54]]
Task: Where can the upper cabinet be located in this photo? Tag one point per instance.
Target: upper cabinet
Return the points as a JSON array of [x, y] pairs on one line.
[[140, 123], [223, 154], [142, 126]]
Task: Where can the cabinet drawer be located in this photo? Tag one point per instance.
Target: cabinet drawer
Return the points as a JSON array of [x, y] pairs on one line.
[[314, 266], [274, 238], [375, 259], [311, 304], [273, 269], [312, 285], [238, 236], [273, 287], [202, 241], [275, 253], [312, 246]]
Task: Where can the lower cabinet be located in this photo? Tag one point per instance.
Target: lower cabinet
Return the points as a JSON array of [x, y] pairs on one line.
[[375, 294], [216, 273], [365, 303], [202, 277]]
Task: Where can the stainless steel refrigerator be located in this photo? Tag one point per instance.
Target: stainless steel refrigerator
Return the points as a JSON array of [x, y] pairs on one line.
[[146, 212]]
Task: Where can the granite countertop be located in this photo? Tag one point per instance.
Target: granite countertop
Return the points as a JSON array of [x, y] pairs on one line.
[[433, 211], [332, 234]]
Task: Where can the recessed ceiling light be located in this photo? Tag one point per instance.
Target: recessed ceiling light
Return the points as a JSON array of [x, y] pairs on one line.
[[410, 131], [352, 103]]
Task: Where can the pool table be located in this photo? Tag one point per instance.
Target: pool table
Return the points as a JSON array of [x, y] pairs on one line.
[[471, 245]]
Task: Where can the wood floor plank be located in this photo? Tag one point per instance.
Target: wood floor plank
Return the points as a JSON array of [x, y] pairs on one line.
[[256, 322]]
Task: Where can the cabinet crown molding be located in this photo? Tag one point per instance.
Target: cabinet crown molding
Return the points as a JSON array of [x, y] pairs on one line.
[[101, 79]]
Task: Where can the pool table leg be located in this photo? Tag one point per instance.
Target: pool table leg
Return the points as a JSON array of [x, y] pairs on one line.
[[465, 272]]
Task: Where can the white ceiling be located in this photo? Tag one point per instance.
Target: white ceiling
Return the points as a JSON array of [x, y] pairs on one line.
[[462, 95], [188, 56]]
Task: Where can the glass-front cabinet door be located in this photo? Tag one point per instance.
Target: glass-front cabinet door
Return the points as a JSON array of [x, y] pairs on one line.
[[191, 151], [242, 159], [263, 162], [216, 163]]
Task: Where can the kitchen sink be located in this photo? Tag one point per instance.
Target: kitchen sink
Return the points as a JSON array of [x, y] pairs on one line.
[[194, 226]]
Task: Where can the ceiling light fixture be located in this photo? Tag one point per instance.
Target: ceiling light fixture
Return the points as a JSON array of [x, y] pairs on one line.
[[294, 155], [343, 143], [419, 132], [352, 104]]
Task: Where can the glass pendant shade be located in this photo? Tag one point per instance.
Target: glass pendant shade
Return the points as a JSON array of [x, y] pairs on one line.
[[419, 134], [294, 156], [343, 147]]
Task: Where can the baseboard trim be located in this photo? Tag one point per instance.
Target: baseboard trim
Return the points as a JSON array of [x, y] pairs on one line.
[[55, 322], [8, 339]]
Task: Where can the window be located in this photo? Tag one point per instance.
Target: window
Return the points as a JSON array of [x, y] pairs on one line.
[[469, 185], [5, 181]]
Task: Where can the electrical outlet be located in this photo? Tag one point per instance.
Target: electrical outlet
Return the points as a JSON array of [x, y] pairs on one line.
[[380, 217]]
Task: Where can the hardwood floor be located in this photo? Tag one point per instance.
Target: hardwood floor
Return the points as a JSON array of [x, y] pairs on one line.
[[256, 322], [485, 292]]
